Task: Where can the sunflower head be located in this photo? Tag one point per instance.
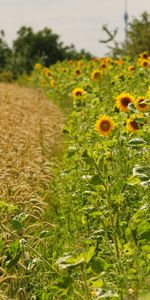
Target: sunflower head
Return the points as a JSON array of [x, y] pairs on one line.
[[96, 74], [46, 72], [140, 104], [63, 70], [123, 100], [104, 65], [77, 92], [80, 63], [78, 72], [144, 63], [134, 123], [144, 55], [52, 83], [104, 125], [131, 68], [38, 66]]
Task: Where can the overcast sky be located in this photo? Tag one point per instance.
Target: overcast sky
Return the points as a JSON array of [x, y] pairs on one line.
[[77, 22]]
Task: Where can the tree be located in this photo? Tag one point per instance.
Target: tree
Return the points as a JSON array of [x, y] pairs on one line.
[[5, 51], [138, 37], [43, 46], [30, 47]]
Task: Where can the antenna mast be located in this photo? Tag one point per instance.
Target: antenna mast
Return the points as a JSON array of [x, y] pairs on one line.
[[126, 20]]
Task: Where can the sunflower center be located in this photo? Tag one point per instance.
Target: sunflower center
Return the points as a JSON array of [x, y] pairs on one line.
[[96, 75], [125, 101], [145, 64], [78, 93], [134, 125], [145, 55], [105, 125]]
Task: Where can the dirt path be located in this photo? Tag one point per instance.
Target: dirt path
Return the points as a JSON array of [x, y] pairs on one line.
[[30, 135]]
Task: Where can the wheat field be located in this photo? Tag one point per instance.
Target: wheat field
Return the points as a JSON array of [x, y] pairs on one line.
[[30, 133]]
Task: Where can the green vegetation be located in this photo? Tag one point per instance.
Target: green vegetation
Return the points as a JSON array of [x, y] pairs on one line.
[[90, 236], [30, 47], [76, 227]]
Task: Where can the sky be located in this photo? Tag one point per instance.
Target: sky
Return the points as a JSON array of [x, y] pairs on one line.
[[77, 22]]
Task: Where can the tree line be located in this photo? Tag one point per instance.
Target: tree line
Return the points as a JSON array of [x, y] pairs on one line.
[[31, 47], [45, 47]]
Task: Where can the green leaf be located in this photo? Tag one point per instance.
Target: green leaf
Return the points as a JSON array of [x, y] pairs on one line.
[[145, 183], [69, 262], [109, 295], [89, 254], [133, 180], [142, 171], [14, 252], [64, 282], [71, 151], [143, 230], [45, 233], [96, 180], [16, 225], [97, 265], [137, 142]]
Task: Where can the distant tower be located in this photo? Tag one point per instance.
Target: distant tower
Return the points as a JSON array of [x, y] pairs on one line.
[[126, 19]]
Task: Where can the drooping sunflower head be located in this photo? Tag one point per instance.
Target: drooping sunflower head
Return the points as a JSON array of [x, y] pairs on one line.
[[140, 104], [96, 74], [134, 123], [144, 55], [77, 92], [104, 125], [47, 72], [131, 68], [123, 100]]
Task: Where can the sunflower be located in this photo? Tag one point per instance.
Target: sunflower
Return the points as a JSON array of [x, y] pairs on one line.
[[52, 83], [131, 68], [63, 70], [140, 104], [96, 74], [77, 92], [144, 63], [144, 55], [80, 63], [104, 125], [103, 65], [38, 66], [134, 123], [119, 62], [123, 100], [47, 72], [78, 72]]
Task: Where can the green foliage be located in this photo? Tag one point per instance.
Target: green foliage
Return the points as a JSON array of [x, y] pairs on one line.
[[98, 246], [138, 37], [31, 47], [5, 51]]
